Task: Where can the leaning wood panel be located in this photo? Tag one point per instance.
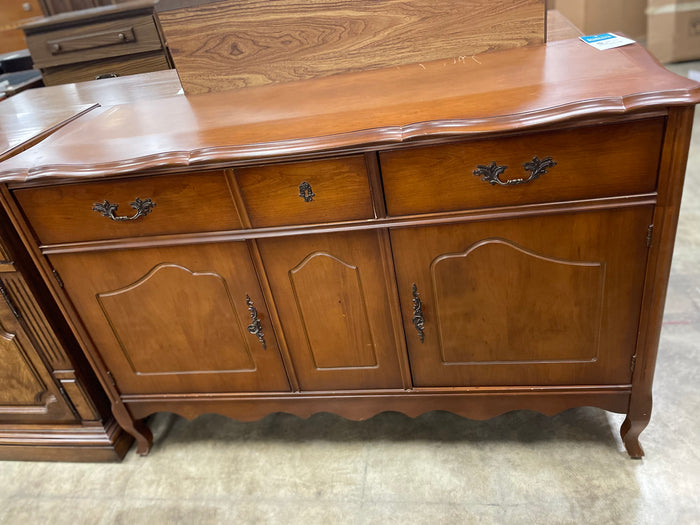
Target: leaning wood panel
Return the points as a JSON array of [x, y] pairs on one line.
[[228, 45]]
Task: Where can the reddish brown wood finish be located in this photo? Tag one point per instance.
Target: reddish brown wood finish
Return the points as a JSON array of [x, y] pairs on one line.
[[23, 126], [271, 194], [361, 405], [188, 304], [591, 162], [503, 91], [106, 92], [333, 306], [325, 286], [537, 301], [183, 204], [671, 174]]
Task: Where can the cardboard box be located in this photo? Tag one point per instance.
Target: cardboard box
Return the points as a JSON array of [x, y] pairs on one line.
[[674, 30], [603, 16]]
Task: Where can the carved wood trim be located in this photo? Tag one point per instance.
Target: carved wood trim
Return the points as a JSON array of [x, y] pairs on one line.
[[153, 273], [438, 309], [307, 326], [472, 403], [36, 324]]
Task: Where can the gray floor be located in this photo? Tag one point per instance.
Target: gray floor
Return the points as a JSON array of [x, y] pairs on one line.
[[438, 468]]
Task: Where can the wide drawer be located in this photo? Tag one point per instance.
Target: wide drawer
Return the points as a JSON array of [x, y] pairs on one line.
[[109, 67], [186, 203], [306, 192], [93, 41], [579, 163]]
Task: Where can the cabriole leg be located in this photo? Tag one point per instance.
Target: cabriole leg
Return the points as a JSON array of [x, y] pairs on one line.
[[137, 428], [636, 421]]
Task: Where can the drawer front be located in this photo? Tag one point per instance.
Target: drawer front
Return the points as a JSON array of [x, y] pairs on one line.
[[588, 162], [307, 192], [109, 67], [182, 204], [124, 36]]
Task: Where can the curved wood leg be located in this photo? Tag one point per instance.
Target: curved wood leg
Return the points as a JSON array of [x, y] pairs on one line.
[[137, 428], [629, 431]]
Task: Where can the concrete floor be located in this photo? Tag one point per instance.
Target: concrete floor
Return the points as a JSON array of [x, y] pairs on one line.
[[521, 467]]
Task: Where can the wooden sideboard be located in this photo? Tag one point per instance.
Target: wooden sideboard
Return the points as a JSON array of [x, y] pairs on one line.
[[475, 236]]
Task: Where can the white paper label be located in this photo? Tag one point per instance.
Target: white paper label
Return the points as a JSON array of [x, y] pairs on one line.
[[606, 41]]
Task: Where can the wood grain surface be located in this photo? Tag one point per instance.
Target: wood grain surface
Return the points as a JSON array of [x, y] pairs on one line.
[[509, 90], [21, 127], [537, 301], [340, 187], [106, 92], [187, 304], [333, 304], [592, 161], [228, 45], [183, 203]]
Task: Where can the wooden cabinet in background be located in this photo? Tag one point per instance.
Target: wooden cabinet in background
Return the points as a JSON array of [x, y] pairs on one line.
[[51, 406], [54, 7], [113, 40], [29, 394]]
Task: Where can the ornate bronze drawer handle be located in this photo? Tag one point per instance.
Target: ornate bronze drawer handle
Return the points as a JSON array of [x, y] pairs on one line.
[[305, 192], [109, 210], [255, 327], [418, 320], [536, 167]]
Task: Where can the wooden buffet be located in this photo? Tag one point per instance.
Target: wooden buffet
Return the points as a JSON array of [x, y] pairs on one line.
[[475, 236]]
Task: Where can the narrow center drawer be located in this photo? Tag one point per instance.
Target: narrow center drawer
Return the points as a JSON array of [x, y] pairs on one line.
[[306, 192], [185, 203], [579, 163]]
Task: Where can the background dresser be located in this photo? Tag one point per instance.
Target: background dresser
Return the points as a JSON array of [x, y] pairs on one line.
[[107, 41]]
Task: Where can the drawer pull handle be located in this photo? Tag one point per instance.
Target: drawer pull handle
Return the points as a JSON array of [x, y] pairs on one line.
[[109, 210], [106, 75], [492, 172], [305, 192], [255, 327], [417, 319]]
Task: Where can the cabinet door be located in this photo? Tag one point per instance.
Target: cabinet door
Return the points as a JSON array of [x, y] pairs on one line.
[[28, 393], [331, 295], [535, 301], [176, 319]]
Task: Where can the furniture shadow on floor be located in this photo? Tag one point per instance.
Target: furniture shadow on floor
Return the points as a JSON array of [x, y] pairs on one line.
[[577, 425]]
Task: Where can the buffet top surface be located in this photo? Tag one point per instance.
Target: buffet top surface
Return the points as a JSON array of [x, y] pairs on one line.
[[494, 92]]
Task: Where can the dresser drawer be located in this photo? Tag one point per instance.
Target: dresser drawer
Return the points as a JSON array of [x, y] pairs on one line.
[[109, 67], [306, 192], [95, 40], [587, 162], [187, 203]]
